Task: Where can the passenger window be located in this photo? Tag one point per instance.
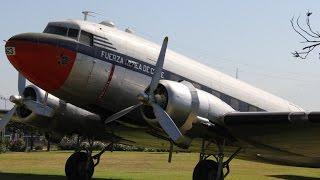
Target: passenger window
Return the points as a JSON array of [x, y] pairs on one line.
[[56, 30], [216, 93], [73, 33], [174, 77], [244, 107], [252, 109], [234, 104], [196, 85], [86, 38], [225, 98]]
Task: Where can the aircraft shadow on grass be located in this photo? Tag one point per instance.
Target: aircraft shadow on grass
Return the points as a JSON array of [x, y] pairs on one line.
[[294, 177], [18, 176]]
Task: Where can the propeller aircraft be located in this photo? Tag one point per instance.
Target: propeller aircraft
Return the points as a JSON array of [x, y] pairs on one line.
[[102, 83]]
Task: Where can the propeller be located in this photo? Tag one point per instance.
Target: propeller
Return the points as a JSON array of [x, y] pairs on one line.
[[148, 98], [19, 101], [21, 84], [7, 117]]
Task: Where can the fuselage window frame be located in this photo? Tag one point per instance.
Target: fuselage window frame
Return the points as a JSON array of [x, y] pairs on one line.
[[76, 32], [88, 40]]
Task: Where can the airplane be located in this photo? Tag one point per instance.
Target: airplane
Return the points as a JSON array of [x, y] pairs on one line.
[[102, 83]]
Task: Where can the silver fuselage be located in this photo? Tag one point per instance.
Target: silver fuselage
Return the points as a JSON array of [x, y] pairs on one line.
[[130, 61]]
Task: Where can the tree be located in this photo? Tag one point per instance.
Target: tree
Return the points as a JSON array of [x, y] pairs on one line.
[[310, 36]]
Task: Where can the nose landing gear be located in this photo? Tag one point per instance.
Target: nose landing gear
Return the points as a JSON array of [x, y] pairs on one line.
[[212, 169], [80, 165]]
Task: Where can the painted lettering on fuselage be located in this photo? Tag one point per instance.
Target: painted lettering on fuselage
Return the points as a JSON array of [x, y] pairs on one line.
[[128, 63]]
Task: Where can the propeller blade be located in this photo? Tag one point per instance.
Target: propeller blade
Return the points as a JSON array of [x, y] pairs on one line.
[[159, 66], [21, 83], [121, 113], [38, 108], [45, 98], [166, 122], [7, 117]]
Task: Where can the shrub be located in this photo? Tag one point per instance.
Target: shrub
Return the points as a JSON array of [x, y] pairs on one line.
[[123, 147], [67, 144], [17, 146], [98, 145], [70, 143], [38, 148], [4, 145]]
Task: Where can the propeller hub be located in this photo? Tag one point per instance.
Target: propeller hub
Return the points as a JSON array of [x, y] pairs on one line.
[[143, 97], [16, 99]]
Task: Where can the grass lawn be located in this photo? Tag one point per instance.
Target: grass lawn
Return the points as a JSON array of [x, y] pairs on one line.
[[138, 165]]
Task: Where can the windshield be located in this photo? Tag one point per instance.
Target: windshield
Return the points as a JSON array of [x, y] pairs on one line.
[[63, 31]]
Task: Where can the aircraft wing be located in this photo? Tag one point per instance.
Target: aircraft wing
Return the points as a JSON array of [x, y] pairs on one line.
[[250, 118], [248, 125], [293, 136]]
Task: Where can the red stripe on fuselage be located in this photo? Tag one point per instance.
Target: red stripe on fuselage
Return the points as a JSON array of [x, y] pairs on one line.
[[105, 88]]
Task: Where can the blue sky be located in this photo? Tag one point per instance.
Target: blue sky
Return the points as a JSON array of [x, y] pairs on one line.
[[254, 36]]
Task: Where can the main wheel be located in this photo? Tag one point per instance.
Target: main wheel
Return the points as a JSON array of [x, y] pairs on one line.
[[206, 170], [79, 166]]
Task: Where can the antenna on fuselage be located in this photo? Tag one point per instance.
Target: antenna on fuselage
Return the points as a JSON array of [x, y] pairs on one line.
[[88, 13]]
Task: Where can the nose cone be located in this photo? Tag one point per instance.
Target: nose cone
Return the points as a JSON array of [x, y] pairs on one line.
[[40, 59]]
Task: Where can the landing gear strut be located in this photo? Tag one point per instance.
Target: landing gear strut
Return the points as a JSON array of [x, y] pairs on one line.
[[212, 169], [80, 165]]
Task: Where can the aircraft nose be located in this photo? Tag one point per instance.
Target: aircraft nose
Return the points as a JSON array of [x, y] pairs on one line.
[[41, 58]]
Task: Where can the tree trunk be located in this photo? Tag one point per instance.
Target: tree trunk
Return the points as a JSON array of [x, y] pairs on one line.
[[31, 142], [48, 145]]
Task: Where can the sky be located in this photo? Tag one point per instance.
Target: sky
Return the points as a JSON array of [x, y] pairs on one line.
[[254, 36]]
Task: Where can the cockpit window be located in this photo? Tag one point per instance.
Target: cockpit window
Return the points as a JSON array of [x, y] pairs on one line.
[[63, 31], [86, 38], [73, 33], [56, 30]]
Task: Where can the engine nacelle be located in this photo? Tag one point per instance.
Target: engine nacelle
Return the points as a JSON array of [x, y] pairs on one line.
[[187, 105], [66, 118]]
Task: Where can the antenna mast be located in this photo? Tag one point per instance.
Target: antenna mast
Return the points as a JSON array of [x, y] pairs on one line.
[[86, 14]]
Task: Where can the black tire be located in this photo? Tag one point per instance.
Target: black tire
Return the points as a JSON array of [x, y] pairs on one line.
[[79, 166], [206, 170]]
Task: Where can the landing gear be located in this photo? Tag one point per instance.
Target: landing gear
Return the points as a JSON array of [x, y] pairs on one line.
[[80, 165], [212, 169], [206, 170]]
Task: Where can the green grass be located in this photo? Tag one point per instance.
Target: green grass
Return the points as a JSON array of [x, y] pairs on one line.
[[138, 165]]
